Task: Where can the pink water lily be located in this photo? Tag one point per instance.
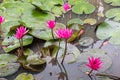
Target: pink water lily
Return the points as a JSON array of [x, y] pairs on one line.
[[20, 32], [2, 19], [51, 24], [64, 33], [94, 63], [66, 7]]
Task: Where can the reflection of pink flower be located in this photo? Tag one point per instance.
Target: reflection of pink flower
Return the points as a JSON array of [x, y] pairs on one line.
[[94, 63], [64, 33], [1, 19], [51, 24], [20, 32], [66, 7]]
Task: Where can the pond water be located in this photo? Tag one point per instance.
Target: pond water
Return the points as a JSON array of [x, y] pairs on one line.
[[73, 71]]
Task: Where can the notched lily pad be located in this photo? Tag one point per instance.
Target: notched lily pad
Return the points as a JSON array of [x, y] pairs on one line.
[[113, 2], [90, 21], [83, 7], [106, 60], [24, 76], [109, 29], [114, 14]]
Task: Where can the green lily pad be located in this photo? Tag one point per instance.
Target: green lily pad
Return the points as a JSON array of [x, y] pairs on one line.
[[90, 21], [106, 60], [11, 43], [86, 41], [44, 32], [113, 2], [74, 2], [113, 13], [8, 69], [83, 7], [8, 58], [72, 51], [75, 21], [28, 52], [35, 60], [24, 76], [109, 29]]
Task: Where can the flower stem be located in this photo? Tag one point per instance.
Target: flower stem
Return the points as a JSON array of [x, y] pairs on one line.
[[57, 50], [65, 51], [90, 75], [21, 46], [52, 34]]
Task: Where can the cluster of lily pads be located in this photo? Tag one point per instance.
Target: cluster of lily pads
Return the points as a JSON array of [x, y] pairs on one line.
[[33, 14]]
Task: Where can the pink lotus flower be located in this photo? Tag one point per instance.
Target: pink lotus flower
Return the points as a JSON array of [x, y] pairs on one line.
[[66, 7], [2, 19], [20, 32], [51, 24], [94, 63], [64, 33]]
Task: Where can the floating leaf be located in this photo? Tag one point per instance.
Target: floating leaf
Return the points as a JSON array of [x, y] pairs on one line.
[[90, 21], [45, 33], [12, 43], [109, 29], [74, 2], [75, 21], [24, 76], [28, 52], [72, 51], [113, 13], [83, 7], [86, 41], [83, 59], [8, 58], [35, 59], [113, 2], [8, 68]]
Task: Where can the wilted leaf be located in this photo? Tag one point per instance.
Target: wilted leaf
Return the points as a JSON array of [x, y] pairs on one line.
[[113, 13], [83, 7], [24, 76]]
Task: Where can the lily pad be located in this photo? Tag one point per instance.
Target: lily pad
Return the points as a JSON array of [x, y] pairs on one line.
[[28, 52], [45, 33], [72, 51], [75, 21], [8, 58], [106, 60], [35, 60], [113, 2], [113, 13], [8, 69], [90, 21], [86, 41], [83, 7], [109, 29], [24, 76], [74, 2], [11, 43]]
